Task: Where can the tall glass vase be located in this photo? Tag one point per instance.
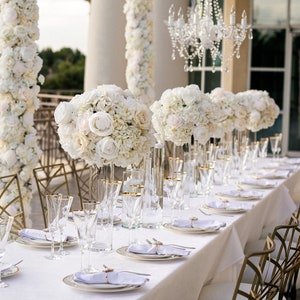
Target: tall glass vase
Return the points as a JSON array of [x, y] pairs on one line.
[[153, 191]]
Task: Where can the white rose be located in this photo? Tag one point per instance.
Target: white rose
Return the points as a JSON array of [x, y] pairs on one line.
[[175, 121], [10, 16], [63, 113], [101, 123], [107, 148], [9, 157], [27, 52], [28, 119], [19, 69], [142, 117]]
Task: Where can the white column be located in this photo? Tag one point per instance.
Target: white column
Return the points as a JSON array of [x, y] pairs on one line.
[[105, 60], [168, 73]]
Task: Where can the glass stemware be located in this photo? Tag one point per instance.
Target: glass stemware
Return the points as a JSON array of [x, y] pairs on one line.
[[5, 226], [132, 203], [53, 206], [279, 143], [274, 145], [85, 223], [66, 202]]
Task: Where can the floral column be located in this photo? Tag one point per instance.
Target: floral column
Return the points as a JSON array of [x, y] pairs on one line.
[[19, 68], [139, 49]]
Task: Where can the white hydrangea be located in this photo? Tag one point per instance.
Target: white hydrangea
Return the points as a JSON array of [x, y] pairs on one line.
[[105, 125]]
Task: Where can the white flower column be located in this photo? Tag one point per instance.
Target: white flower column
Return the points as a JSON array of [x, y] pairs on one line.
[[19, 68], [139, 49]]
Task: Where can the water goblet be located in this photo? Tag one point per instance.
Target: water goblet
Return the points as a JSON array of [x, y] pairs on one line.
[[53, 206], [5, 226], [279, 143], [66, 202]]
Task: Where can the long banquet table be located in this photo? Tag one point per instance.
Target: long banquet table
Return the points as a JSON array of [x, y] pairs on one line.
[[216, 257]]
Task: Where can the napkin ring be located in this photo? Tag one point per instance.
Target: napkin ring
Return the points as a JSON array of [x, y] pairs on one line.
[[193, 219], [106, 271], [157, 244]]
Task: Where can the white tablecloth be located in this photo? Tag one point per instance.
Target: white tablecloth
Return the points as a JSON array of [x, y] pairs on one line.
[[214, 258]]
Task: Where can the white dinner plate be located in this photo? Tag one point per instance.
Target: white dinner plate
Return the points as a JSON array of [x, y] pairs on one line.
[[9, 271], [44, 243], [101, 288], [154, 257]]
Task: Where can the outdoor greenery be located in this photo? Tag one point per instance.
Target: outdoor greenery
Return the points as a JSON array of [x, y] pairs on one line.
[[63, 69]]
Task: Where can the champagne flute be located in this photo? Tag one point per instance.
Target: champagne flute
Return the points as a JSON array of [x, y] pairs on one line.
[[66, 202], [53, 206], [5, 226], [274, 145]]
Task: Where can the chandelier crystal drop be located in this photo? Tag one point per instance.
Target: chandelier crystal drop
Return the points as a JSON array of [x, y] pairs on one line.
[[205, 29]]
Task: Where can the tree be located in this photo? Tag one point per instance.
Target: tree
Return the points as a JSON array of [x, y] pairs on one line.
[[63, 69]]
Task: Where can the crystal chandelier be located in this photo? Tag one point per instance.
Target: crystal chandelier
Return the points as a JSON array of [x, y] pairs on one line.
[[205, 29]]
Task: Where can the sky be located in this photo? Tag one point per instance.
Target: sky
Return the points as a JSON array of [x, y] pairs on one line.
[[63, 23]]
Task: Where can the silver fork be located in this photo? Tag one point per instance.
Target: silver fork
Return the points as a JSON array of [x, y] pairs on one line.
[[132, 272], [174, 245], [211, 214]]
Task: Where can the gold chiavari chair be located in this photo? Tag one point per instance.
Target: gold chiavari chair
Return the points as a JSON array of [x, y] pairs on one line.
[[50, 180], [286, 254], [11, 202], [82, 175], [259, 288]]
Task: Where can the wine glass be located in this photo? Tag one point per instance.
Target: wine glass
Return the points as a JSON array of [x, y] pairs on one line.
[[5, 226], [132, 203], [279, 143], [53, 206], [66, 202]]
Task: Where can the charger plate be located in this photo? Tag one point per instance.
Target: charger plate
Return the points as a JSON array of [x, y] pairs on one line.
[[100, 288], [213, 229], [153, 257], [12, 270], [44, 244]]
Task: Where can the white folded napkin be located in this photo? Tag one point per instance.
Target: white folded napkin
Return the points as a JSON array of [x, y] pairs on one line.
[[199, 224], [230, 205], [41, 235], [4, 266], [241, 193], [257, 182], [117, 278], [157, 250]]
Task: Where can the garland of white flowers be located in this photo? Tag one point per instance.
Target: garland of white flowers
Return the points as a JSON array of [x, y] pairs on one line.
[[139, 49], [19, 68]]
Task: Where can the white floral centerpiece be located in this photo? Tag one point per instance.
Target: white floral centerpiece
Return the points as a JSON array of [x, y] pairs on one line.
[[105, 125], [19, 68], [225, 115], [139, 49], [182, 112], [260, 109]]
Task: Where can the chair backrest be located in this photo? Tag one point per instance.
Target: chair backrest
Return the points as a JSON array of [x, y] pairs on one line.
[[82, 175], [11, 202], [260, 287], [287, 253], [50, 180]]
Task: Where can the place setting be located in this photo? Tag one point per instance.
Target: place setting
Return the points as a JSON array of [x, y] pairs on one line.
[[239, 195], [194, 225], [107, 280], [225, 207], [251, 183], [57, 234]]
